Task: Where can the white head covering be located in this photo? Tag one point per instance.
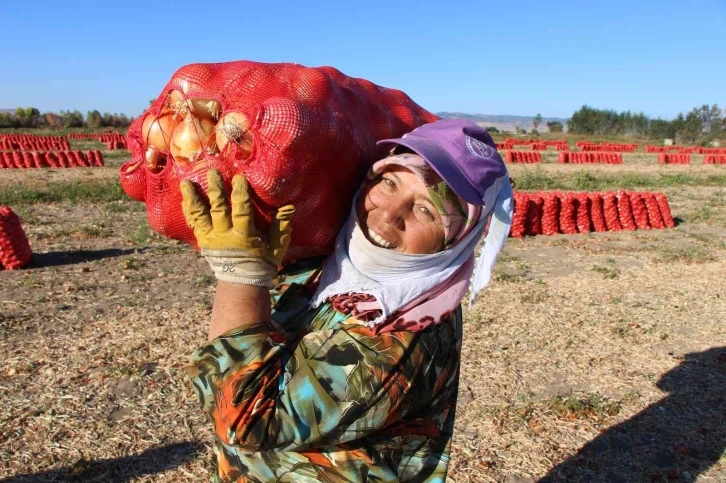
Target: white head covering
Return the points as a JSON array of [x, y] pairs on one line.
[[396, 279]]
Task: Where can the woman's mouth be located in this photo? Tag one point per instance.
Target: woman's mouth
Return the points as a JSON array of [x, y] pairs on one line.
[[378, 240]]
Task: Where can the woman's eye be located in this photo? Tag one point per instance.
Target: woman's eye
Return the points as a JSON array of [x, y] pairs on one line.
[[425, 211]]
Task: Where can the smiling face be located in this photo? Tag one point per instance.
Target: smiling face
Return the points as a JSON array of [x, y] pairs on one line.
[[395, 211]]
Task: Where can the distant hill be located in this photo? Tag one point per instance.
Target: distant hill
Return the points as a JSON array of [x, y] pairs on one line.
[[10, 111], [503, 122]]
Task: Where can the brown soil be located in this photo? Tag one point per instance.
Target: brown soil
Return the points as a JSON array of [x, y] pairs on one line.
[[580, 341]]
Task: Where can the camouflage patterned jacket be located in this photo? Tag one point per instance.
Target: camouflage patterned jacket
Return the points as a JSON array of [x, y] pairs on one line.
[[315, 395]]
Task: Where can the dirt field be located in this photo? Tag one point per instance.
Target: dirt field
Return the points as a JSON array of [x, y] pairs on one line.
[[590, 358]]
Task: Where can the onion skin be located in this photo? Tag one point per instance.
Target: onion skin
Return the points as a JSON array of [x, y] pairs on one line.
[[157, 130], [175, 100], [234, 126], [151, 158], [190, 138], [208, 108]]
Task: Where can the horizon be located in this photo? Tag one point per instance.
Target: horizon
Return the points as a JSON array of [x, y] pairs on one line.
[[549, 59]]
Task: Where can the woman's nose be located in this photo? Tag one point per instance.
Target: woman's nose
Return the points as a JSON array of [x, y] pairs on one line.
[[392, 212]]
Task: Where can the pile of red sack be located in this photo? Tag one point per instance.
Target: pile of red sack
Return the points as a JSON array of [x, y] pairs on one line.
[[553, 212], [14, 247], [714, 159], [50, 159], [664, 158], [522, 157], [588, 158]]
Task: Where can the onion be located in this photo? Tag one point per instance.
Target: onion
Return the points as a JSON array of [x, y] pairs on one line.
[[175, 101], [152, 158], [157, 131], [234, 126], [191, 137], [205, 108], [209, 108]]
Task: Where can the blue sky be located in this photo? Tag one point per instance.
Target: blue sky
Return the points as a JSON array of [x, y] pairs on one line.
[[471, 56]]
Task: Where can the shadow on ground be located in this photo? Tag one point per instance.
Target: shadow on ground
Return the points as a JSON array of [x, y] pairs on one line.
[[117, 470], [675, 439], [54, 259]]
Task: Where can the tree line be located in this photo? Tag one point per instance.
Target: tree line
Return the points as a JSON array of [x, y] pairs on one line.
[[701, 125], [31, 117]]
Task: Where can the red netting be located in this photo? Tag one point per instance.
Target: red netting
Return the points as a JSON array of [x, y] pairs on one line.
[[654, 216], [665, 210], [568, 210], [519, 218], [610, 210], [625, 211], [534, 215], [14, 247], [583, 213], [550, 214], [313, 138], [640, 212], [596, 212]]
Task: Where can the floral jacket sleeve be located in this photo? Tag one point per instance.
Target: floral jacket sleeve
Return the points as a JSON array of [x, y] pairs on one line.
[[315, 390]]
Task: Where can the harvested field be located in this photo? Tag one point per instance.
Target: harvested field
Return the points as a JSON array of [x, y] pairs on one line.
[[590, 358]]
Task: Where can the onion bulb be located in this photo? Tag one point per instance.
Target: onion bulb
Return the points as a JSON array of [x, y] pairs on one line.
[[204, 107], [234, 126], [191, 137], [157, 130], [152, 158], [175, 101]]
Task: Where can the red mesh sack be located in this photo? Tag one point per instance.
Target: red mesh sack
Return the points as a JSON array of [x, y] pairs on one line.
[[654, 216], [27, 160], [550, 214], [519, 218], [665, 210], [18, 159], [14, 247], [640, 212], [62, 159], [98, 158], [533, 225], [610, 210], [568, 210], [625, 211], [302, 136], [583, 213], [597, 216], [52, 159], [3, 164]]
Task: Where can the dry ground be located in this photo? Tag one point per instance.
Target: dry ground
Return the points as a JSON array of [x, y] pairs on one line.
[[595, 357]]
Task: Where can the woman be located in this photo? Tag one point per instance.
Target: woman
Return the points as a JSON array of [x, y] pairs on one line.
[[351, 373]]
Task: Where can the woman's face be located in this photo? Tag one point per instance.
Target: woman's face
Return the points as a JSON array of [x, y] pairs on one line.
[[395, 212]]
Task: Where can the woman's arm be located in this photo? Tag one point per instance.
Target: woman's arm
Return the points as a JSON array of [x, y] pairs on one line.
[[236, 306]]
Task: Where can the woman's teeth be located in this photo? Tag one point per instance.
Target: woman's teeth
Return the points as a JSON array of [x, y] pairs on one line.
[[377, 240]]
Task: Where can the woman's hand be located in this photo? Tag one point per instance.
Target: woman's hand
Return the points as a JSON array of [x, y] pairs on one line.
[[227, 235]]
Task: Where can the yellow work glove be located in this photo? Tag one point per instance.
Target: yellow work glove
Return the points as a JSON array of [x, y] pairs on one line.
[[228, 238]]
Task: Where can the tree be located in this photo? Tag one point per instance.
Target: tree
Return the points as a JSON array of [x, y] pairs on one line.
[[7, 120], [53, 120], [27, 116], [555, 126], [72, 118], [492, 129], [660, 129], [94, 119], [537, 121]]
